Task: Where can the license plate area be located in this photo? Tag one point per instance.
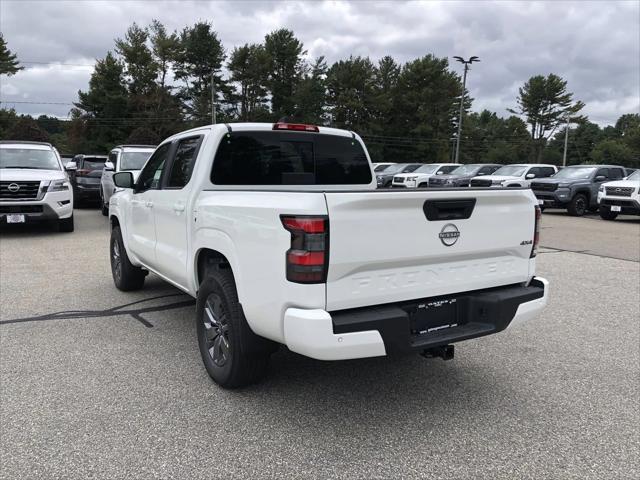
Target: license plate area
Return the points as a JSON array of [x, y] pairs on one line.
[[616, 208], [15, 218], [435, 316]]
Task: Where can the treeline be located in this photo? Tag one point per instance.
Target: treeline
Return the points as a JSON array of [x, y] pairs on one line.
[[155, 83]]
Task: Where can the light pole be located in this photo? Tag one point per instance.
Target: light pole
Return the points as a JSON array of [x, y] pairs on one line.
[[566, 142], [464, 83], [213, 98]]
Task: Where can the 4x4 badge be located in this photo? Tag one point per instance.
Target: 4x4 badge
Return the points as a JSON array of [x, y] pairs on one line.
[[449, 234]]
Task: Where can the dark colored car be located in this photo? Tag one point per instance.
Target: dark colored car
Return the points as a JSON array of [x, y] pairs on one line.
[[461, 176], [85, 177], [385, 177], [575, 187]]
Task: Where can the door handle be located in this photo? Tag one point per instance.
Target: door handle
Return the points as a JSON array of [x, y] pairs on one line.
[[178, 207], [148, 204]]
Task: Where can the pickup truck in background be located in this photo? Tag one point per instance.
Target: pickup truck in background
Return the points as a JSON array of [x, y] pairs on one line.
[[279, 232], [575, 187], [519, 175]]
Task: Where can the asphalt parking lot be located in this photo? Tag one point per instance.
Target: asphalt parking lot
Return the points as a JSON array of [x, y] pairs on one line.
[[97, 383]]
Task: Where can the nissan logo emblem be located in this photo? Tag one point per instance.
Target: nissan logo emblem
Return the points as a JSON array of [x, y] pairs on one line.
[[449, 234], [13, 187]]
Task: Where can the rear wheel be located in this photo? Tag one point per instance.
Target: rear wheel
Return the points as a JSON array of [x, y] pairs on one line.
[[606, 213], [126, 276], [104, 206], [66, 224], [232, 354], [578, 205], [423, 185]]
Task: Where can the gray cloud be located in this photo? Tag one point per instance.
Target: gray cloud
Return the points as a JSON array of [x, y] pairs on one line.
[[593, 45]]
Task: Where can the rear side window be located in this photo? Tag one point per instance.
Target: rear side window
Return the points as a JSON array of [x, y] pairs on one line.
[[546, 171], [288, 158], [615, 174], [183, 162]]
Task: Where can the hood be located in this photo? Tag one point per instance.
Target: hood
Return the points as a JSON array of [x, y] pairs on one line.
[[496, 178], [458, 177], [421, 176], [622, 183], [554, 180], [30, 175]]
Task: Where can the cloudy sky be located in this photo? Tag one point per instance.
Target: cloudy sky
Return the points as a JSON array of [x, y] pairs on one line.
[[594, 45]]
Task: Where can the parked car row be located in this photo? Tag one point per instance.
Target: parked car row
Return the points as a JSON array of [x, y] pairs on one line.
[[609, 189]]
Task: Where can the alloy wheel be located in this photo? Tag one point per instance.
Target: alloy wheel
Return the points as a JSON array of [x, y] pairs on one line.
[[216, 331]]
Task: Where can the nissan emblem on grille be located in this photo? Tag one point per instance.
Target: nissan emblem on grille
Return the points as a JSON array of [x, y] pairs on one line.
[[449, 234], [13, 187]]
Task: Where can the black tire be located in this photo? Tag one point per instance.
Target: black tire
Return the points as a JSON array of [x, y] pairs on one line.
[[126, 276], [104, 207], [232, 354], [578, 205], [424, 185], [541, 209], [607, 214], [66, 224]]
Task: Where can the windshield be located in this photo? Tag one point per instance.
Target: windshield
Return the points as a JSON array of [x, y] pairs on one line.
[[380, 168], [28, 158], [393, 169], [575, 172], [465, 170], [510, 171], [411, 168], [634, 176], [427, 169], [133, 160], [93, 163]]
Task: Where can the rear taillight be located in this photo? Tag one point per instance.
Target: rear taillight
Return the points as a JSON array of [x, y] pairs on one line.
[[308, 258], [536, 232], [298, 127]]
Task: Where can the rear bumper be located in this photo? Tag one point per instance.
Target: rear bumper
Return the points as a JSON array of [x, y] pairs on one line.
[[385, 329], [87, 191]]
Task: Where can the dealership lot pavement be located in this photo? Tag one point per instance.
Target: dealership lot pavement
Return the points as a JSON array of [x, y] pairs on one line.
[[93, 385]]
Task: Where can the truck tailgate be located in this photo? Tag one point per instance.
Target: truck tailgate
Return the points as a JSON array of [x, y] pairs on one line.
[[384, 249]]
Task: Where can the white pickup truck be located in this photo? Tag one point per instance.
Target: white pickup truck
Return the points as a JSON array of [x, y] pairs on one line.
[[281, 235]]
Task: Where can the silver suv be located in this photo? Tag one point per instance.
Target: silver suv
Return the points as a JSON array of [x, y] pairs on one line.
[[123, 158]]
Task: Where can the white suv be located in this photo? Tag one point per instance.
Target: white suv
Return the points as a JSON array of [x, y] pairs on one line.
[[620, 197], [123, 158], [519, 175], [419, 178], [34, 185]]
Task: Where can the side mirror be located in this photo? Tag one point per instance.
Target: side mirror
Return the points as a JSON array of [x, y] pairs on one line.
[[481, 174], [109, 167], [600, 178], [529, 176], [123, 179], [439, 173], [71, 166]]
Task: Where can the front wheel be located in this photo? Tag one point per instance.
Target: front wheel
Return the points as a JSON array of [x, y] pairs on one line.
[[578, 205], [232, 354], [66, 224], [607, 214], [126, 276]]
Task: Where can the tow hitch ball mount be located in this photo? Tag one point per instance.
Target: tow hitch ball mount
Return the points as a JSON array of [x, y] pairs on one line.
[[444, 352]]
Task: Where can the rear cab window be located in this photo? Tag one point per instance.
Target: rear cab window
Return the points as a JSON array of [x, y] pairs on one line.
[[93, 163], [289, 158]]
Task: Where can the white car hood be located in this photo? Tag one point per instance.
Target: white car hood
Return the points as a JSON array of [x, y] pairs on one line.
[[496, 178], [27, 174], [420, 176], [623, 183]]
